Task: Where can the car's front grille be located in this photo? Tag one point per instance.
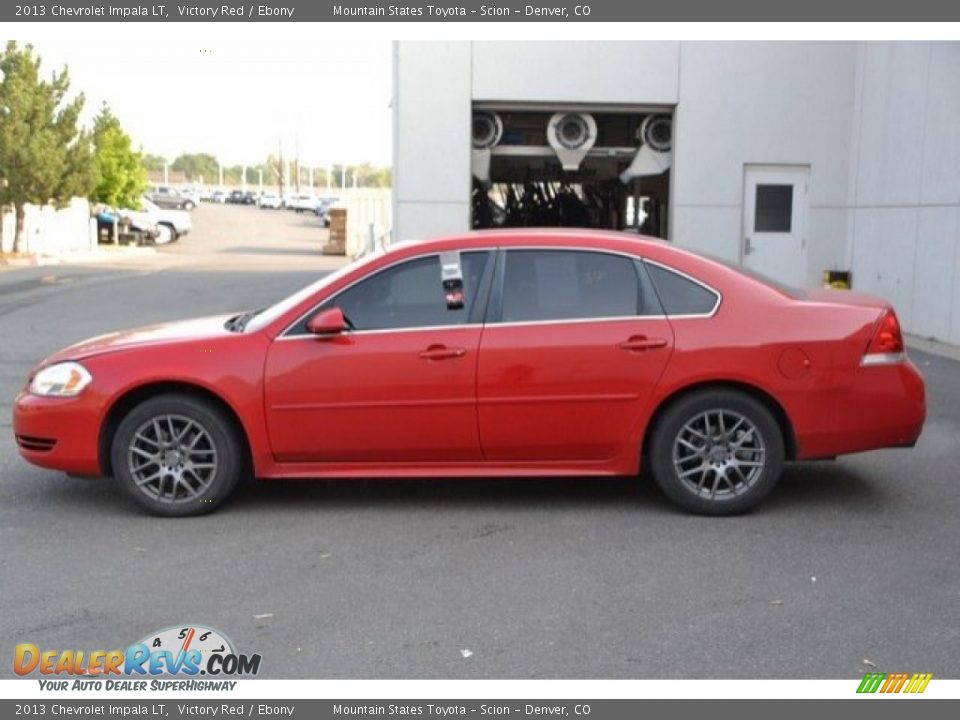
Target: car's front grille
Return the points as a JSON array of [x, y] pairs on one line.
[[36, 444]]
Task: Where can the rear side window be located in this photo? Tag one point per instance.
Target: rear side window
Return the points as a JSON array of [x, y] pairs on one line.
[[680, 295], [541, 285]]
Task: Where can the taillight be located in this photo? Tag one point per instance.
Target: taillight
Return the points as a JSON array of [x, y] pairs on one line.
[[886, 345]]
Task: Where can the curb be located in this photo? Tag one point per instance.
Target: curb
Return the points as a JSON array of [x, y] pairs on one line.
[[934, 347]]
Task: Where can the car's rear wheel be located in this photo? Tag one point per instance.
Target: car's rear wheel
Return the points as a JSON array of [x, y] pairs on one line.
[[177, 455], [717, 452]]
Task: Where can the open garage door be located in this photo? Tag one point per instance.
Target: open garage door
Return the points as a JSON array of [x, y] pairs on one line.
[[572, 166]]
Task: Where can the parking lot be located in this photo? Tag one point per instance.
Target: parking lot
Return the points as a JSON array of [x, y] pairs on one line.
[[850, 566]]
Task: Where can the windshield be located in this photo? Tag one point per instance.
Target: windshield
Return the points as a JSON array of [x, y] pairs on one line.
[[148, 205], [266, 317]]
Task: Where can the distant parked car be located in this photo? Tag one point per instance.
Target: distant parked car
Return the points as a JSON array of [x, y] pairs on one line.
[[192, 193], [177, 221], [218, 196], [305, 202], [169, 197], [240, 197], [132, 228], [270, 200]]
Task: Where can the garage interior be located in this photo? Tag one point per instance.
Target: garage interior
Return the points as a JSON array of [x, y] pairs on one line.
[[571, 166]]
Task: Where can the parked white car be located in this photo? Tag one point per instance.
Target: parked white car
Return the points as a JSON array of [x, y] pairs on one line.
[[305, 203], [178, 221], [270, 200]]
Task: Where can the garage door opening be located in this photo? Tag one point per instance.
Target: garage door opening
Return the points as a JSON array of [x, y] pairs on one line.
[[572, 167]]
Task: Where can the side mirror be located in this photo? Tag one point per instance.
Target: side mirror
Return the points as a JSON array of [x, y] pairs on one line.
[[327, 322]]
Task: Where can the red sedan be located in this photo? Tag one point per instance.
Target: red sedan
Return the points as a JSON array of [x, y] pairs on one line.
[[519, 354]]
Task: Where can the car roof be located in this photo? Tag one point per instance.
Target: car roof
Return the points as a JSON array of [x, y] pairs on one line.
[[540, 237]]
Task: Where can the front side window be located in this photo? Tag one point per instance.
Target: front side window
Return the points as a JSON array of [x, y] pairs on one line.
[[541, 285], [410, 295]]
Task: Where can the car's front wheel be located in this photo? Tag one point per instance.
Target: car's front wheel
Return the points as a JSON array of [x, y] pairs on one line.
[[177, 455], [717, 452], [164, 235]]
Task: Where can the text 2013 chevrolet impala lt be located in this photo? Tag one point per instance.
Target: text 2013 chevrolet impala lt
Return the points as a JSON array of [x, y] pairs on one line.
[[519, 354]]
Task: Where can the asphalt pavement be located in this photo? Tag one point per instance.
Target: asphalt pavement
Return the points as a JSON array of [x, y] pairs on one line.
[[849, 567]]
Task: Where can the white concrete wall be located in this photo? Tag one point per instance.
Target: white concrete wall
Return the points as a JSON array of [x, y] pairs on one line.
[[906, 187], [594, 72], [431, 149], [765, 103]]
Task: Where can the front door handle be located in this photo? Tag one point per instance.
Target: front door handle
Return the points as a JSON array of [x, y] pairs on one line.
[[442, 352], [642, 342]]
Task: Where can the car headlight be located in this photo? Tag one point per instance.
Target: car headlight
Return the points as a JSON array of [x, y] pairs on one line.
[[65, 379]]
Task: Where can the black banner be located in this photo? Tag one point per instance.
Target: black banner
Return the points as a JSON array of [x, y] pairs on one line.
[[190, 709], [477, 11]]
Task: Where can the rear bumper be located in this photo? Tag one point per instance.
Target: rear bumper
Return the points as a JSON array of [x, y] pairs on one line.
[[58, 433], [885, 406]]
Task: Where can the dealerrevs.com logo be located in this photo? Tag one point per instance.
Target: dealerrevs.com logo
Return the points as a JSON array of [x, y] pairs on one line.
[[898, 682], [186, 651]]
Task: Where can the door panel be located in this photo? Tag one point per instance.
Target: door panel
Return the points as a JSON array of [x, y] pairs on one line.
[[774, 221], [385, 396], [568, 390]]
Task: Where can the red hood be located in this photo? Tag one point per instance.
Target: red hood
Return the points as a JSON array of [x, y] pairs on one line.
[[196, 329]]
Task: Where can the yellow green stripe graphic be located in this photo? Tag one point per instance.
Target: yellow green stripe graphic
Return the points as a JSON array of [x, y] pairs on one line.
[[894, 682]]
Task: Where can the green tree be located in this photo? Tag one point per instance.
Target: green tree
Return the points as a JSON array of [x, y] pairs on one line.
[[121, 177], [153, 162], [44, 156], [195, 165]]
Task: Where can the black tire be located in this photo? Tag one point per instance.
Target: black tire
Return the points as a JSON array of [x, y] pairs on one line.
[[188, 205], [716, 452], [174, 236], [186, 485]]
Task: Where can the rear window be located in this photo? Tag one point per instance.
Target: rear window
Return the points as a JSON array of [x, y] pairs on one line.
[[680, 295], [545, 285]]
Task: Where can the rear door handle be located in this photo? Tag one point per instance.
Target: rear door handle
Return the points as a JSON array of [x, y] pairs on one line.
[[442, 352], [641, 342]]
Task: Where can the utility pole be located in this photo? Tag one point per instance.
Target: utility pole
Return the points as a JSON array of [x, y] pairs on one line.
[[296, 162], [280, 169], [311, 179]]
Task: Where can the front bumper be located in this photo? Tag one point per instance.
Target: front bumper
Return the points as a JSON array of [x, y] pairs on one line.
[[59, 433]]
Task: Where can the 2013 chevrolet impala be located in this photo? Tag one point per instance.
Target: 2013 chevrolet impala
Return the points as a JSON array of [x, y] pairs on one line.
[[523, 353]]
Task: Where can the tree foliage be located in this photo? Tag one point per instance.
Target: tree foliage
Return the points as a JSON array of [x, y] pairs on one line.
[[153, 162], [121, 177], [197, 165], [44, 156]]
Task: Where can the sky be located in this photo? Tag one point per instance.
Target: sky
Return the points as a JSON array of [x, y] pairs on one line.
[[235, 95]]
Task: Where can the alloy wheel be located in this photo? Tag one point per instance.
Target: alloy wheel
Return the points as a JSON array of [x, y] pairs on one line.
[[172, 459], [718, 454]]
